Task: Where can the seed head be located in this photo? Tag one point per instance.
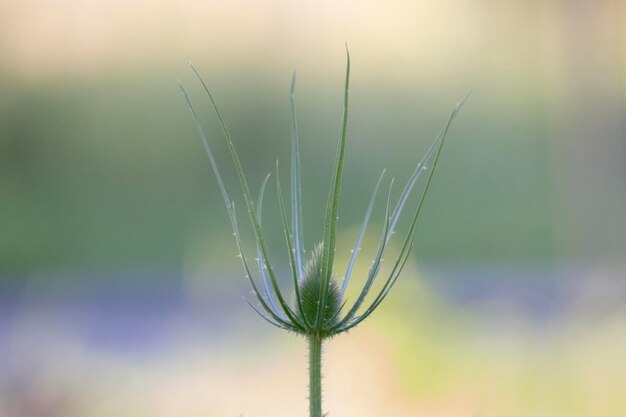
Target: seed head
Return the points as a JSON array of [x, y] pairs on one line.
[[311, 286]]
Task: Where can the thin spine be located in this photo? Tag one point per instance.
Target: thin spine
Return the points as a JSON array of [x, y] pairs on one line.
[[360, 236], [249, 204], [409, 241], [296, 184], [268, 292], [420, 168], [411, 183], [249, 274], [375, 266], [264, 317], [377, 300], [332, 206], [290, 248], [230, 206]]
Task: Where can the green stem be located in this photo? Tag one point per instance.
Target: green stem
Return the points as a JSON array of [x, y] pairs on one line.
[[315, 376]]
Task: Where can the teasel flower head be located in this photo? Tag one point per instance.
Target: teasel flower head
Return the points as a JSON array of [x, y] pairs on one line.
[[319, 307]]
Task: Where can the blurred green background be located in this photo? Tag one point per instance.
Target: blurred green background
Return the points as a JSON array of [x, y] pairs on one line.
[[114, 241]]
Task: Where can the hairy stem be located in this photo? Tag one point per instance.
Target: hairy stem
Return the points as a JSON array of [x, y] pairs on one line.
[[315, 376]]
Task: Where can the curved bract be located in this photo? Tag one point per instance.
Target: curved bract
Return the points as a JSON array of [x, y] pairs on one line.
[[319, 307]]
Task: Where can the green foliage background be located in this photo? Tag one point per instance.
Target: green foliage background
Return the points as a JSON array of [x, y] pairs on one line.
[[110, 172]]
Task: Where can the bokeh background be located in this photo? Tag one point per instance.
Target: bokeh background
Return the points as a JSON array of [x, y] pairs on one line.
[[120, 292]]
